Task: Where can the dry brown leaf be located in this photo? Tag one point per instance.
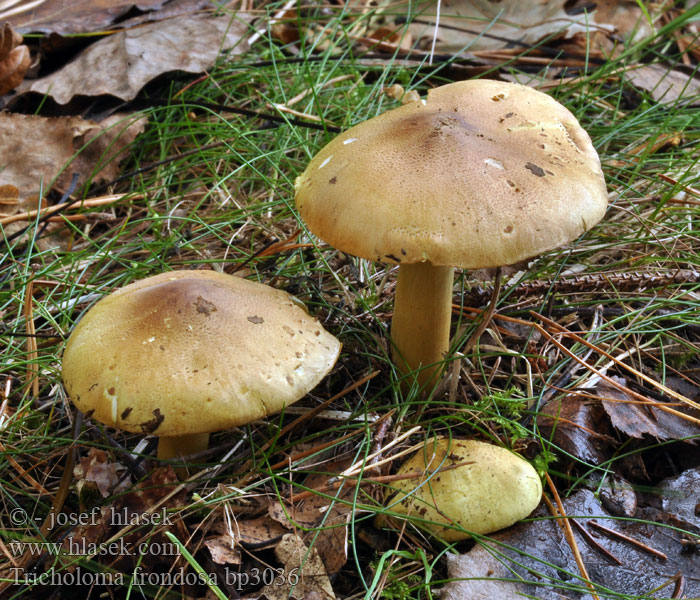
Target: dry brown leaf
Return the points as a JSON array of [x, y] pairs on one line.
[[532, 559], [144, 543], [9, 199], [14, 59], [304, 572], [97, 470], [121, 64], [487, 25], [77, 16], [263, 532], [665, 84], [223, 550], [625, 16], [327, 520], [35, 149], [577, 426], [332, 518], [38, 148]]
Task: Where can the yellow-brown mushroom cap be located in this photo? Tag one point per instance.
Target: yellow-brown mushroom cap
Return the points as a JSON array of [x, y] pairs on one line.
[[483, 174], [193, 352], [478, 486]]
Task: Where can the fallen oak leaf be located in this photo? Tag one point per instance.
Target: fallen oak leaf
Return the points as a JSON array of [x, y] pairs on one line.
[[665, 84], [531, 559], [261, 532], [69, 146], [486, 25], [66, 17], [121, 64], [327, 519], [93, 149]]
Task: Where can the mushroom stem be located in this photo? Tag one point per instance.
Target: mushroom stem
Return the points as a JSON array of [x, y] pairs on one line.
[[177, 446], [420, 327]]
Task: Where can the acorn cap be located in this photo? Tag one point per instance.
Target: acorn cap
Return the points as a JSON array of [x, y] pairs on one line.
[[483, 174], [190, 352]]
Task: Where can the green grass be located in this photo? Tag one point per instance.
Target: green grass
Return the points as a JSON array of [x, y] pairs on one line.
[[208, 188]]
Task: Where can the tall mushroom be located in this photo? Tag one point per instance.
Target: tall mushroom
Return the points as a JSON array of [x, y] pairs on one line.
[[186, 353], [482, 174]]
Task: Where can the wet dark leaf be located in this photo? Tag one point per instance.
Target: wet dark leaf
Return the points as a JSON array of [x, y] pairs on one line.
[[577, 426], [681, 496], [538, 553], [618, 497]]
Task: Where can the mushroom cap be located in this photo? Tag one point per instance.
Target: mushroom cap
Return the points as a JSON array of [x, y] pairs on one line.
[[484, 174], [190, 352], [496, 490]]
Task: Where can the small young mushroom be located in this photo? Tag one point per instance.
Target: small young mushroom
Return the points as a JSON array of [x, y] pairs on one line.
[[186, 353], [482, 174], [463, 487]]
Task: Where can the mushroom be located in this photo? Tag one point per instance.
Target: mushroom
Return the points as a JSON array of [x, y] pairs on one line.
[[482, 174], [464, 487], [186, 353]]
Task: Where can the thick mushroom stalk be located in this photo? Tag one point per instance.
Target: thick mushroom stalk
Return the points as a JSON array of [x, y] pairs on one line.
[[182, 445], [420, 327]]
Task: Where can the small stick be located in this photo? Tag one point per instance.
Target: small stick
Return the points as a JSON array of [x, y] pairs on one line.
[[268, 24], [570, 537], [8, 554], [630, 540], [649, 380], [686, 188], [49, 210], [679, 586], [377, 441], [594, 544], [299, 455], [598, 372], [358, 466], [487, 315]]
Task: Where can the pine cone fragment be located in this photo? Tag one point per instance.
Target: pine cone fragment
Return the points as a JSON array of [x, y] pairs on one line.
[[14, 59]]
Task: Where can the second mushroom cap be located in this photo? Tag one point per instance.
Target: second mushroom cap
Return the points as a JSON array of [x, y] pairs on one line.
[[190, 352]]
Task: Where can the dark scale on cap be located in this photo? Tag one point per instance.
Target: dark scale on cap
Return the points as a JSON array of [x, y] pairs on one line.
[[535, 170]]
